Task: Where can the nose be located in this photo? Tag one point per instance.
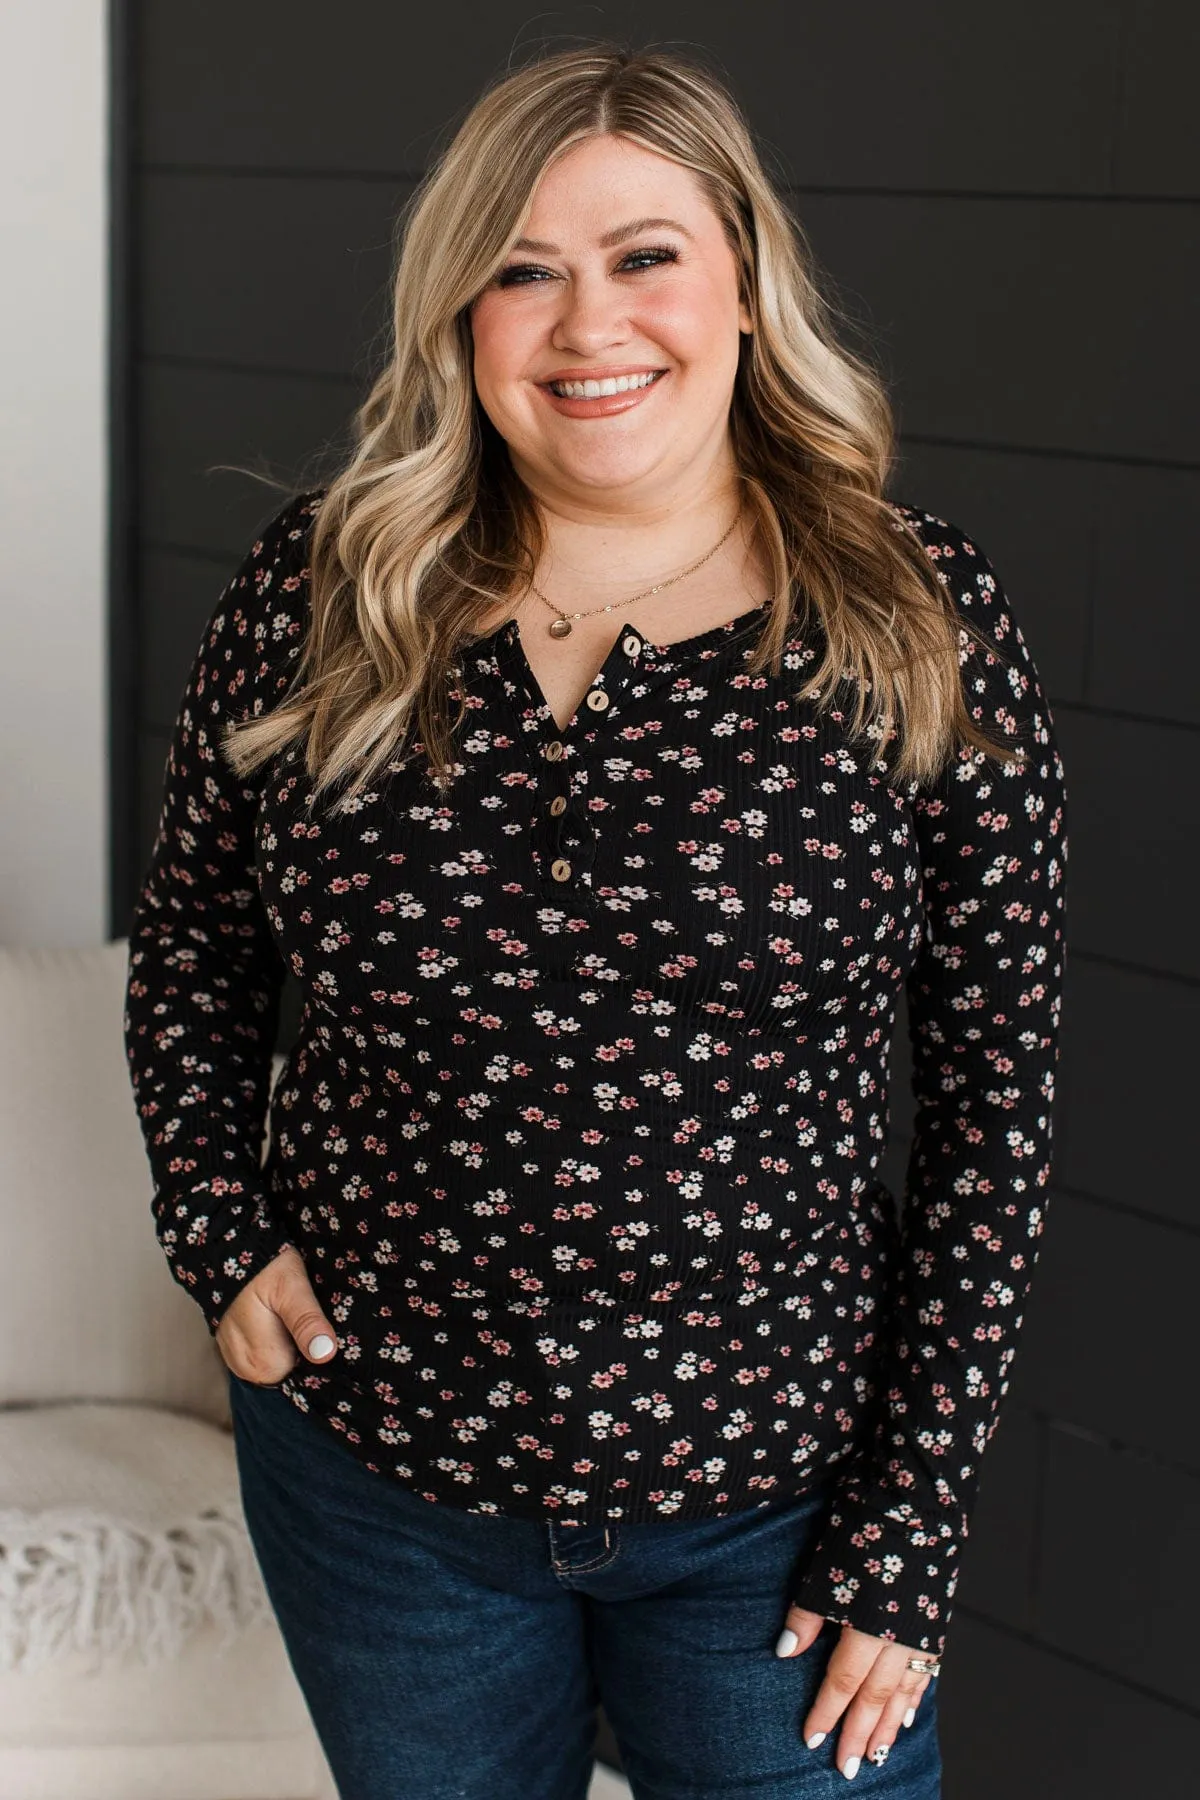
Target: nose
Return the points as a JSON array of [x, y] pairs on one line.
[[592, 314]]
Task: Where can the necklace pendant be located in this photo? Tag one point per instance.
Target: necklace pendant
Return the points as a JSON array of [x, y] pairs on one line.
[[560, 628]]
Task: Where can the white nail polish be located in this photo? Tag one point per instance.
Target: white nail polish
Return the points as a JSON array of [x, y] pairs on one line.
[[786, 1642], [910, 1715], [321, 1345], [817, 1738], [851, 1768], [880, 1754]]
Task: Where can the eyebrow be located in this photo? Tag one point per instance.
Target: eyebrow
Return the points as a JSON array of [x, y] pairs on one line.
[[617, 235]]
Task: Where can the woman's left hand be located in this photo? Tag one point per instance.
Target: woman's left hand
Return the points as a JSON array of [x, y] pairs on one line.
[[867, 1675]]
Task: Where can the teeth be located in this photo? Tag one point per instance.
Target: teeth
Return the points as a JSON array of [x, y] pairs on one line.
[[591, 390]]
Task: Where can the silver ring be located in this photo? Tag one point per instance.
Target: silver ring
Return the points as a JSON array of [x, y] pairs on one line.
[[925, 1665]]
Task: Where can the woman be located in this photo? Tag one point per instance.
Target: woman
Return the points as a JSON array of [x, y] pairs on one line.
[[603, 754]]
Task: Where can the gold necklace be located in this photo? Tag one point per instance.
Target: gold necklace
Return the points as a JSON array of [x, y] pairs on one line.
[[561, 626]]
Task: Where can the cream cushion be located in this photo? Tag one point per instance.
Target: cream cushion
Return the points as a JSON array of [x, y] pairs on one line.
[[215, 1724], [89, 1309]]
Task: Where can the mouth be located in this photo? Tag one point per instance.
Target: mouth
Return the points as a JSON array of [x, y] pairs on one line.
[[602, 399], [600, 389]]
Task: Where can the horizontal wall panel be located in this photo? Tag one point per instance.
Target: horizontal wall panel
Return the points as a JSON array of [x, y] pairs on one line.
[[1110, 1318], [275, 86], [267, 272], [1133, 854], [1097, 559], [1120, 1566], [1146, 594], [1033, 517], [1127, 1089], [1021, 1721], [1158, 146], [925, 95], [1036, 324], [998, 1558], [179, 594], [192, 419]]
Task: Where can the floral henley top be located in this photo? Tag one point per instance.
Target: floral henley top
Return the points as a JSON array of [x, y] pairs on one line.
[[578, 1137]]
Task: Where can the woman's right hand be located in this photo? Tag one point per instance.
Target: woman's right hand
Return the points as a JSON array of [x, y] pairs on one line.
[[275, 1313]]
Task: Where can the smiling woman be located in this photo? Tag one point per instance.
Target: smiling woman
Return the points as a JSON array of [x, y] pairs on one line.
[[605, 210], [634, 1386]]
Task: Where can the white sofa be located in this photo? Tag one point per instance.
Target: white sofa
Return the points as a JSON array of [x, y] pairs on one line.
[[138, 1656]]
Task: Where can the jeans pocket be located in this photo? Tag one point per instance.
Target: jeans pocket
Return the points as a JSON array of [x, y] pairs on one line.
[[255, 1387]]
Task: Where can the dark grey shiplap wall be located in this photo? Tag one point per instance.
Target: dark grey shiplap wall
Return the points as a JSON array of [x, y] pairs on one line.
[[1005, 198]]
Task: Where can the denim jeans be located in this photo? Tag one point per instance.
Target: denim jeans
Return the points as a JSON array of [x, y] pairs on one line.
[[446, 1653]]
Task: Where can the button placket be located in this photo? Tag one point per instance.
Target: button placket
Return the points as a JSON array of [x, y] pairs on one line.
[[554, 752], [563, 859], [568, 858]]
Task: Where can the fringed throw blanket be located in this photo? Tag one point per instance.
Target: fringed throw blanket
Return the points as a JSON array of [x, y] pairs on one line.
[[121, 1532]]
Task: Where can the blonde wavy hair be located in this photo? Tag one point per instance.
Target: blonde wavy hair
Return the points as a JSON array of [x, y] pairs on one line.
[[427, 526]]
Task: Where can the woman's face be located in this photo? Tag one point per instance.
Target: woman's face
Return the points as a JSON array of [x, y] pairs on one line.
[[567, 303]]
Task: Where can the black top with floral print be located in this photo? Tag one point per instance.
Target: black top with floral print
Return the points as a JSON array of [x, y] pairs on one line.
[[578, 1137]]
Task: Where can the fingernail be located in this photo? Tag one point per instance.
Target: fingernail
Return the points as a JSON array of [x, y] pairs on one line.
[[321, 1345], [817, 1738], [851, 1768], [786, 1642], [910, 1715], [880, 1753]]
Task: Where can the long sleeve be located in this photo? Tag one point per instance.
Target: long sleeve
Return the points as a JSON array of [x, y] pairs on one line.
[[205, 977], [984, 1001]]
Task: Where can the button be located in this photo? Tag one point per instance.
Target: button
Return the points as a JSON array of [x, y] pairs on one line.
[[553, 750], [557, 805], [597, 699], [560, 869], [631, 645]]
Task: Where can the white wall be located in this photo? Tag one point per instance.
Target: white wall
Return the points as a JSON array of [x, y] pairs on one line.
[[53, 475]]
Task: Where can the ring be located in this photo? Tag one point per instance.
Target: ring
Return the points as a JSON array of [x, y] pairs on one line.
[[925, 1665]]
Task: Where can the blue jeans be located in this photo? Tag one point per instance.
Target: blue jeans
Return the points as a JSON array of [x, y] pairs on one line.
[[446, 1653]]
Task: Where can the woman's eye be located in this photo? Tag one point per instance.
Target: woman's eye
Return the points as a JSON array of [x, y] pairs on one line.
[[512, 275]]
